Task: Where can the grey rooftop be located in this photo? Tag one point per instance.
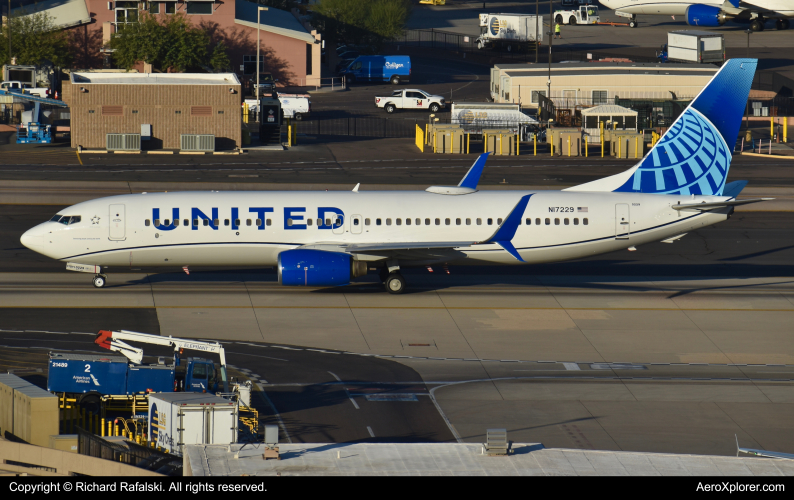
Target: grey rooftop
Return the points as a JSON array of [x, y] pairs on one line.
[[462, 459], [123, 78]]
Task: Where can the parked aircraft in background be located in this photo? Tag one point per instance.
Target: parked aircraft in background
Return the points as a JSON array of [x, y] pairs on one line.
[[709, 13], [330, 238]]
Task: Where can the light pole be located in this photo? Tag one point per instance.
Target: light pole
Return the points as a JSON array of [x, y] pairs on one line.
[[749, 32], [258, 29], [551, 42]]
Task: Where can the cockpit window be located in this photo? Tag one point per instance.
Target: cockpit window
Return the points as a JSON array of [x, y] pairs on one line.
[[66, 219]]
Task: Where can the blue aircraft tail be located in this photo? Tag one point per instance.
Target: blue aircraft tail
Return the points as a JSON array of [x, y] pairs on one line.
[[694, 155]]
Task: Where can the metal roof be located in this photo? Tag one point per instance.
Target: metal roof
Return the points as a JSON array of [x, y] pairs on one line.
[[462, 459], [607, 64], [273, 20], [24, 387], [189, 398], [609, 109], [89, 78], [64, 13], [611, 71]]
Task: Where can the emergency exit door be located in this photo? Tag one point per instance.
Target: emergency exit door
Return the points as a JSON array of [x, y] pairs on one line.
[[356, 224], [622, 221], [117, 222]]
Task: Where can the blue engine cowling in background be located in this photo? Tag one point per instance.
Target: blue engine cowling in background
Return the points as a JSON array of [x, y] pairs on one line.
[[704, 15], [317, 268]]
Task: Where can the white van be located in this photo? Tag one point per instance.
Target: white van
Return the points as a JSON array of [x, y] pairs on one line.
[[295, 105]]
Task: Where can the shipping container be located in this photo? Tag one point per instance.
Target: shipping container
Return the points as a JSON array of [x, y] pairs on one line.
[[694, 46], [510, 31], [177, 419]]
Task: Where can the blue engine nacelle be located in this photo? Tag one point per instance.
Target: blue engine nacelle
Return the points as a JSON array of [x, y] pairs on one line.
[[705, 15], [318, 268]]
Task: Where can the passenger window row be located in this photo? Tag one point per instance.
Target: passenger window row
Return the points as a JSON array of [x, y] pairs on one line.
[[338, 222], [206, 222]]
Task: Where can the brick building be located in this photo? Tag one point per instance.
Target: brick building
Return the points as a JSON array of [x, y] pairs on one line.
[[288, 49], [171, 104]]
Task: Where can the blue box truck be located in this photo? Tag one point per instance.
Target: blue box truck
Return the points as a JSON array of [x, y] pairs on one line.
[[88, 377], [394, 69]]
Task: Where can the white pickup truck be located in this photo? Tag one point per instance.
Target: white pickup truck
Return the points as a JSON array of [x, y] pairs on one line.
[[19, 87], [410, 99]]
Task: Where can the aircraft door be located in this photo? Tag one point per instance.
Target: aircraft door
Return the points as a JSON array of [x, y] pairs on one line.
[[622, 221], [355, 224], [338, 224], [117, 222]]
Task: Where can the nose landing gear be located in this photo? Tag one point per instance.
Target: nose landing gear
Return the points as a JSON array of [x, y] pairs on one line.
[[100, 280]]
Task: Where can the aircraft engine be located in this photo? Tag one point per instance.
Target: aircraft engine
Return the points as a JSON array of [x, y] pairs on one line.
[[318, 268], [705, 15]]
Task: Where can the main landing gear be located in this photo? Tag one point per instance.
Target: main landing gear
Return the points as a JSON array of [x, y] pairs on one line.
[[100, 280], [392, 280]]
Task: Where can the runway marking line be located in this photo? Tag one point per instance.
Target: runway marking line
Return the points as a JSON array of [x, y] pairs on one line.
[[348, 395]]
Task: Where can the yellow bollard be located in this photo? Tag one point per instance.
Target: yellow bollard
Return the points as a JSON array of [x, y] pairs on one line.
[[771, 127], [245, 112], [636, 147], [501, 144], [785, 129], [552, 143], [586, 149], [535, 140], [569, 146], [601, 130], [468, 138], [102, 428], [518, 144]]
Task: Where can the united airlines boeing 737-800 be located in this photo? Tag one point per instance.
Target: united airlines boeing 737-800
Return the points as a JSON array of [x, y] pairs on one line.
[[330, 238], [710, 13]]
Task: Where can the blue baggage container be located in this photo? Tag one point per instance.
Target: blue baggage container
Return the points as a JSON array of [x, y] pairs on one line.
[[81, 373]]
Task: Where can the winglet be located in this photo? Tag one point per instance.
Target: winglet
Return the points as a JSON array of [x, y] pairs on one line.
[[355, 189], [507, 230], [472, 177]]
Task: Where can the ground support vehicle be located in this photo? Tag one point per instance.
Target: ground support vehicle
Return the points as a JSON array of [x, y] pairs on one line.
[[393, 69], [177, 419], [21, 88], [295, 106], [509, 31], [410, 99], [88, 377], [586, 14], [693, 46]]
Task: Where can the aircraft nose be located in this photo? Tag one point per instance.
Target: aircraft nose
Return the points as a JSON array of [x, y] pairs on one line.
[[32, 238]]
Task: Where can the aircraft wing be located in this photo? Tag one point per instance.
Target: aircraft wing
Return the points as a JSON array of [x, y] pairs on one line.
[[424, 245]]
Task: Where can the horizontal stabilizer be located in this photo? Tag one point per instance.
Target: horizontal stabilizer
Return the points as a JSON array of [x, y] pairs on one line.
[[674, 238], [717, 204]]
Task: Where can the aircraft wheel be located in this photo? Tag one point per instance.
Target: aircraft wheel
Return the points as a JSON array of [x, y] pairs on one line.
[[632, 24], [756, 25], [395, 283], [100, 280]]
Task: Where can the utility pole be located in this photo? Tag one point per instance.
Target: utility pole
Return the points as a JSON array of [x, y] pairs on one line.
[[537, 31], [8, 28], [551, 42]]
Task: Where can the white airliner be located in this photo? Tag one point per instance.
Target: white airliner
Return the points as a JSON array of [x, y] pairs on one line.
[[710, 13], [330, 238]]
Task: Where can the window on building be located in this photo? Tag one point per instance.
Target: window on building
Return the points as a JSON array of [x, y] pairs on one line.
[[249, 64], [170, 7], [126, 13], [599, 97], [534, 96], [154, 7], [199, 7], [200, 110], [308, 59]]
